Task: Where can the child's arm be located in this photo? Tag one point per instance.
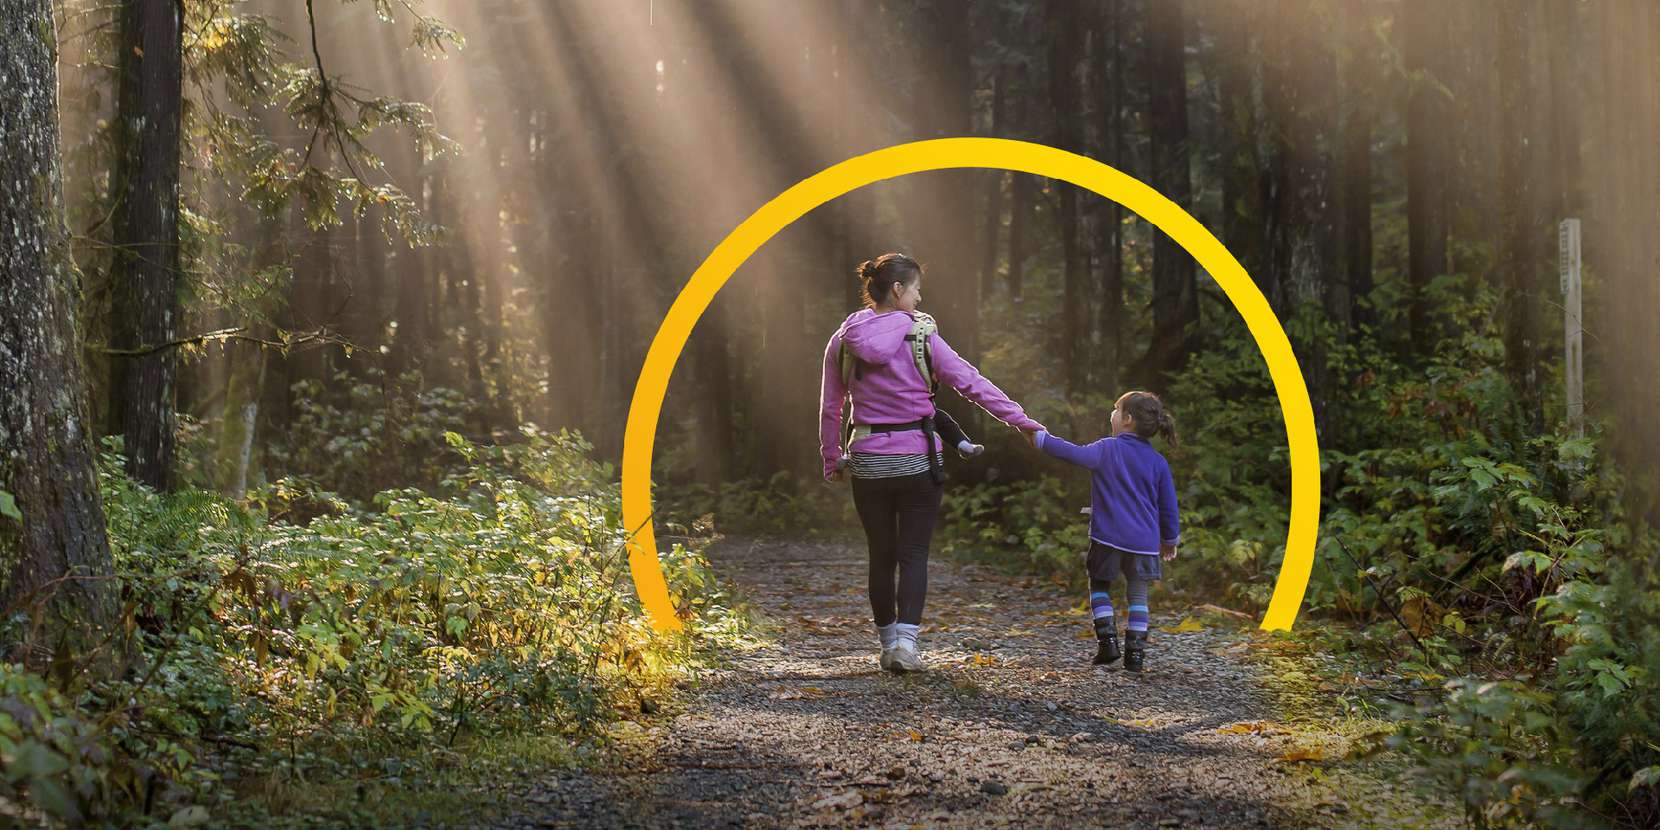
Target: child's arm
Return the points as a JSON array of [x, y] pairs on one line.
[[1170, 527], [1088, 456]]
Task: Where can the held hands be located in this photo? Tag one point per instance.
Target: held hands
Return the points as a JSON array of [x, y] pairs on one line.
[[1031, 437]]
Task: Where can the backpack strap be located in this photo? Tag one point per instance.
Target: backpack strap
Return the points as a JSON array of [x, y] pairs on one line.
[[921, 335]]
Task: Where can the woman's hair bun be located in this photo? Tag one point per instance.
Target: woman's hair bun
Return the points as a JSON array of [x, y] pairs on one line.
[[867, 270]]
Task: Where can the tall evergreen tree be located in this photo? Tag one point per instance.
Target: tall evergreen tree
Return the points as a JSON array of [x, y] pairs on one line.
[[145, 275], [54, 554]]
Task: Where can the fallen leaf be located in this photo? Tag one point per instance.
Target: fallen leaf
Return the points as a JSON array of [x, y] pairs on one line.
[[1139, 723], [915, 735], [1246, 727], [1226, 612], [1186, 625], [797, 694], [1311, 753], [840, 801]]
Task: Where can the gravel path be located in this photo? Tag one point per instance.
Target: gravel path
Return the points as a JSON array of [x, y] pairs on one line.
[[1010, 726]]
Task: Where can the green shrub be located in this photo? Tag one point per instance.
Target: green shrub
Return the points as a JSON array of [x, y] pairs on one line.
[[268, 650]]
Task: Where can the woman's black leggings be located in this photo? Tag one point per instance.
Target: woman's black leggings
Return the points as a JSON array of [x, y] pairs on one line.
[[898, 515]]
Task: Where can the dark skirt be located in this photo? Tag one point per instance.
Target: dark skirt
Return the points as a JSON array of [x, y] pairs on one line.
[[1107, 562]]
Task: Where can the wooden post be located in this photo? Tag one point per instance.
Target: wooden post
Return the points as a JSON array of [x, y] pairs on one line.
[[1573, 328]]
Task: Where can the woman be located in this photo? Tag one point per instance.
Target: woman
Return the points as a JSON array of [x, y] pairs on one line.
[[895, 454]]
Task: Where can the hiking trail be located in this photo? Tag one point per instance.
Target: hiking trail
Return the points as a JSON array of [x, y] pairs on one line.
[[1010, 725]]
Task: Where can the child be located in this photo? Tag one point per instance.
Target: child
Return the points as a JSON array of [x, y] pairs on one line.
[[1133, 521]]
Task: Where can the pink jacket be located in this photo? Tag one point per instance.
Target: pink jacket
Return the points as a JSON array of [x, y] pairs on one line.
[[888, 389]]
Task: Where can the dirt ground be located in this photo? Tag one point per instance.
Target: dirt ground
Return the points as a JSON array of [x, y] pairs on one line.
[[1010, 726]]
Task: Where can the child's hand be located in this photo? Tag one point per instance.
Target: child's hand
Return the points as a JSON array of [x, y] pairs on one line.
[[1167, 552]]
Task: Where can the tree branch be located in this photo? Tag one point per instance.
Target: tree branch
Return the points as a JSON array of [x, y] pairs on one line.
[[320, 336]]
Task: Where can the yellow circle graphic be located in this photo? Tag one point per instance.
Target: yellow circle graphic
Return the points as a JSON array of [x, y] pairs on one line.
[[952, 153]]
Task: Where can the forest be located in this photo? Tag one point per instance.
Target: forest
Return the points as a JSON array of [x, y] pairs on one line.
[[320, 322]]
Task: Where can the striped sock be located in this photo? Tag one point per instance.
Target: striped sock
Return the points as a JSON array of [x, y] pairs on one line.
[[1100, 611], [1138, 606]]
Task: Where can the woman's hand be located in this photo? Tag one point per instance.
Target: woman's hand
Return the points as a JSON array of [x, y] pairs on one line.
[[1167, 552]]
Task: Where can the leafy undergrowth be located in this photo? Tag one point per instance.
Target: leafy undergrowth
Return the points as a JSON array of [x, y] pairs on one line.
[[296, 660]]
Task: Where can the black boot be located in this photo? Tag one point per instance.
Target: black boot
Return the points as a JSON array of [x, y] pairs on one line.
[[1106, 634], [1135, 649]]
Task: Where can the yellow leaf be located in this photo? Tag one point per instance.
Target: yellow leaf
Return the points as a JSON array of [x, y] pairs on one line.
[[1085, 634], [1139, 723], [797, 694], [1311, 753], [1186, 625], [984, 660], [915, 735], [1245, 727]]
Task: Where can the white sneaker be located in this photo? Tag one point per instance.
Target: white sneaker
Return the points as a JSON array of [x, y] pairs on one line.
[[905, 659], [886, 660]]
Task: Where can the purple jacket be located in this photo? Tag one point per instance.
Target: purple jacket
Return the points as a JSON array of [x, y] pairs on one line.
[[888, 389], [1132, 496]]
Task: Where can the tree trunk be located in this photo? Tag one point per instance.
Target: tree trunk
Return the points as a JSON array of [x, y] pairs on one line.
[[1624, 243], [1520, 208], [1110, 310], [1241, 171], [1064, 35], [1175, 297], [1021, 194], [1565, 47], [993, 224], [1428, 162], [1355, 180], [412, 337], [146, 235], [947, 223], [1302, 243], [54, 554]]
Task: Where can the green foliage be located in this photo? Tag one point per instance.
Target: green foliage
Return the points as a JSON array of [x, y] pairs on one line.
[[1037, 525], [781, 504], [1502, 744], [360, 437], [266, 652]]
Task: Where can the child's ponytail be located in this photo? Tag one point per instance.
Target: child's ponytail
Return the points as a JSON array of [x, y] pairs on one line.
[[1167, 427], [1148, 416]]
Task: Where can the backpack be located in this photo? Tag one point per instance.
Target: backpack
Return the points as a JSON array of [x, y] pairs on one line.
[[922, 328]]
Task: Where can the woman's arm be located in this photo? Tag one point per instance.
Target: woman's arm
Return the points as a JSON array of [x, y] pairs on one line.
[[961, 375], [832, 394]]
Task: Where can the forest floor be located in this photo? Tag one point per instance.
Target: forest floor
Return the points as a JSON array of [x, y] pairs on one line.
[[1010, 726]]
